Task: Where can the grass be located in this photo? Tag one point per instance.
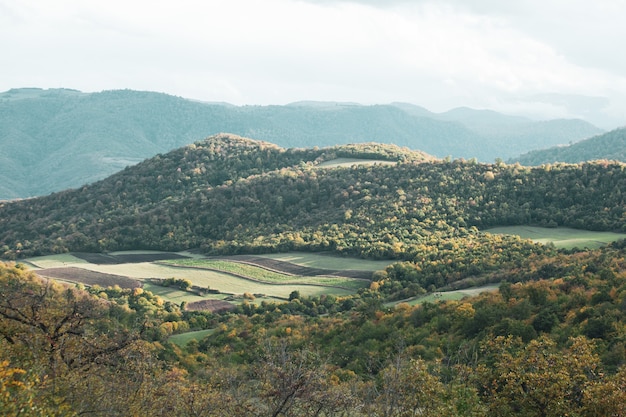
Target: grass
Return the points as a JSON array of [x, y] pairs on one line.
[[173, 295], [184, 338], [448, 295], [213, 279], [561, 237], [54, 261], [272, 284], [348, 162], [238, 268], [271, 277], [321, 260]]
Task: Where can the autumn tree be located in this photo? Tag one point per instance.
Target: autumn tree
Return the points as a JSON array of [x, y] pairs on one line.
[[538, 379]]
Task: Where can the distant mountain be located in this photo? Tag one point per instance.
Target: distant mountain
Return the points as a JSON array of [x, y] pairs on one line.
[[56, 139], [610, 146]]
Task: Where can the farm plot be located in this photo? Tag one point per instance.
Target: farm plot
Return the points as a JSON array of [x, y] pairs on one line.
[[269, 277], [561, 237], [226, 283], [257, 269], [327, 261], [53, 261], [127, 257], [89, 278]]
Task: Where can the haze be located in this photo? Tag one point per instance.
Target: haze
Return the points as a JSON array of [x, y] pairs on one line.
[[543, 59]]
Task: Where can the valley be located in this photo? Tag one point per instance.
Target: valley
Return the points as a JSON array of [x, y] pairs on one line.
[[231, 274]]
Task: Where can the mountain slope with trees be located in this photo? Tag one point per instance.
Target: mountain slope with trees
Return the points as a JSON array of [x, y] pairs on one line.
[[608, 146], [229, 195], [58, 139], [549, 342]]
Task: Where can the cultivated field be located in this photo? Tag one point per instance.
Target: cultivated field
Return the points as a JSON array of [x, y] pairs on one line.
[[259, 269], [53, 261], [561, 237], [89, 278], [137, 268], [327, 261]]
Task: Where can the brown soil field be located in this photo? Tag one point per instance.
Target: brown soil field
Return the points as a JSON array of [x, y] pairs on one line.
[[214, 306], [89, 278], [299, 270], [131, 258]]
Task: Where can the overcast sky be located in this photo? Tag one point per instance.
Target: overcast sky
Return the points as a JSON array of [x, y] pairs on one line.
[[542, 58]]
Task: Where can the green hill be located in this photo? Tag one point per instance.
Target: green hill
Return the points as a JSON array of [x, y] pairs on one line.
[[229, 195], [548, 341], [608, 146], [57, 139]]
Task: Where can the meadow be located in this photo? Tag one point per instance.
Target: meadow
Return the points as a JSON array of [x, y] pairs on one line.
[[183, 338], [561, 237], [348, 162], [261, 274], [447, 295], [229, 278], [322, 260]]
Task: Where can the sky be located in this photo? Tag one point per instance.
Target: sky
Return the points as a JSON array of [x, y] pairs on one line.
[[538, 58]]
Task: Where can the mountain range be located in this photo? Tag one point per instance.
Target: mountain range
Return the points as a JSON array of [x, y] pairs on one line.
[[57, 139]]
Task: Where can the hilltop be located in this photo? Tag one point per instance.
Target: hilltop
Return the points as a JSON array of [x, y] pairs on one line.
[[58, 139]]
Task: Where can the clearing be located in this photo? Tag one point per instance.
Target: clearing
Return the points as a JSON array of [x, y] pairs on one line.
[[269, 277], [348, 162], [561, 237]]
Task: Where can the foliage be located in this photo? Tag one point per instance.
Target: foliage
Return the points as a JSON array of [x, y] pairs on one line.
[[558, 317], [608, 146]]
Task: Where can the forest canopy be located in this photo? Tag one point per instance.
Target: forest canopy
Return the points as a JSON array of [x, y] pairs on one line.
[[549, 342]]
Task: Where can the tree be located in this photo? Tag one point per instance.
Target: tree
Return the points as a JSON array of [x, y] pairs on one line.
[[297, 382], [407, 389], [538, 379]]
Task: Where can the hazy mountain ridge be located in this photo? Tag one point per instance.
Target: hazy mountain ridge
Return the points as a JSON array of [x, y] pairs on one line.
[[60, 138], [610, 146]]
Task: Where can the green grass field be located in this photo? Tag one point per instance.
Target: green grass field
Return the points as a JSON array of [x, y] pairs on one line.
[[271, 277], [184, 338], [561, 237], [321, 260], [54, 261], [270, 283], [238, 268], [348, 162], [173, 295], [213, 279], [449, 295]]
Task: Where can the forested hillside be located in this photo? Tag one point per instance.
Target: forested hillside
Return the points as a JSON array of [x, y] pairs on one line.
[[609, 146], [228, 195], [548, 342], [52, 140]]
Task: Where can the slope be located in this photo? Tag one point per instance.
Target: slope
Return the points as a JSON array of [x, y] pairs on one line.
[[609, 146], [229, 195]]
